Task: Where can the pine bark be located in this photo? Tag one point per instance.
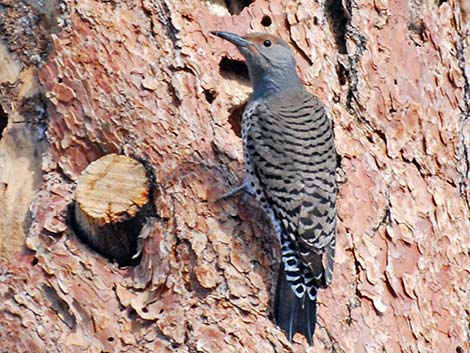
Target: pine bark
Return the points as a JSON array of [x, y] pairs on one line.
[[84, 79]]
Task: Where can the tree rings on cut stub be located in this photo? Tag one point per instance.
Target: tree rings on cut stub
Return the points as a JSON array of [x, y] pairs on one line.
[[111, 203]]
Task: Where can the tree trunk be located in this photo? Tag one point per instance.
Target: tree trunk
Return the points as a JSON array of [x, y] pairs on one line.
[[84, 79]]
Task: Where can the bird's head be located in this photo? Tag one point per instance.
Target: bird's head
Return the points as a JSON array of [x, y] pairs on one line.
[[270, 62]]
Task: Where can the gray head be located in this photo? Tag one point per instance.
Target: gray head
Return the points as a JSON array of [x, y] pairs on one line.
[[270, 62]]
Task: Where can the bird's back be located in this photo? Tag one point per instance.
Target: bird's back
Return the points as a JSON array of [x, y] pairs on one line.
[[291, 160]]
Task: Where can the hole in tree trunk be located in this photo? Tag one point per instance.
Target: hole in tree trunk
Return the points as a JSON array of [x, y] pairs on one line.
[[3, 121], [210, 95], [234, 69], [342, 74], [237, 6], [235, 119], [415, 21], [266, 21], [338, 19]]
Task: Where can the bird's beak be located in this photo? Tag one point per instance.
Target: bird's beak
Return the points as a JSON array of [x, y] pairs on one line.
[[232, 38]]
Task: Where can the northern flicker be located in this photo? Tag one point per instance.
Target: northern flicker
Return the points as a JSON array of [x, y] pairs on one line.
[[290, 160]]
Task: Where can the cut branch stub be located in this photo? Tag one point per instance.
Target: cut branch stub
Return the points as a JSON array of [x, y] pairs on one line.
[[111, 202]]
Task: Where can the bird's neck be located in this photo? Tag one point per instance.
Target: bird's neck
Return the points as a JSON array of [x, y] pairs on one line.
[[274, 83]]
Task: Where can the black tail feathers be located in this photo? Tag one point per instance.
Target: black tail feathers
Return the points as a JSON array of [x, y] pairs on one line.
[[294, 314]]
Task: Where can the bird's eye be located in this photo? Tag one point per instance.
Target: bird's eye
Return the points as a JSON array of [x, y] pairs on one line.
[[267, 43]]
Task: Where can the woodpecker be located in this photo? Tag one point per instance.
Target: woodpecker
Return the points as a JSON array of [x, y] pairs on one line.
[[290, 159]]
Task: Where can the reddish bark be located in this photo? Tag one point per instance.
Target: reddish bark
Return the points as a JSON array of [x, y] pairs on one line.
[[143, 78]]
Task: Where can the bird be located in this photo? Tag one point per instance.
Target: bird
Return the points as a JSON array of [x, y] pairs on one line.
[[290, 160]]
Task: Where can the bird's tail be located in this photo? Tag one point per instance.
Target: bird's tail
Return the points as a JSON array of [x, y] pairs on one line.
[[294, 314]]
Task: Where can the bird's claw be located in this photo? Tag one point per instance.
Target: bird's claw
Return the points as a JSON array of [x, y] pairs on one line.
[[233, 192]]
